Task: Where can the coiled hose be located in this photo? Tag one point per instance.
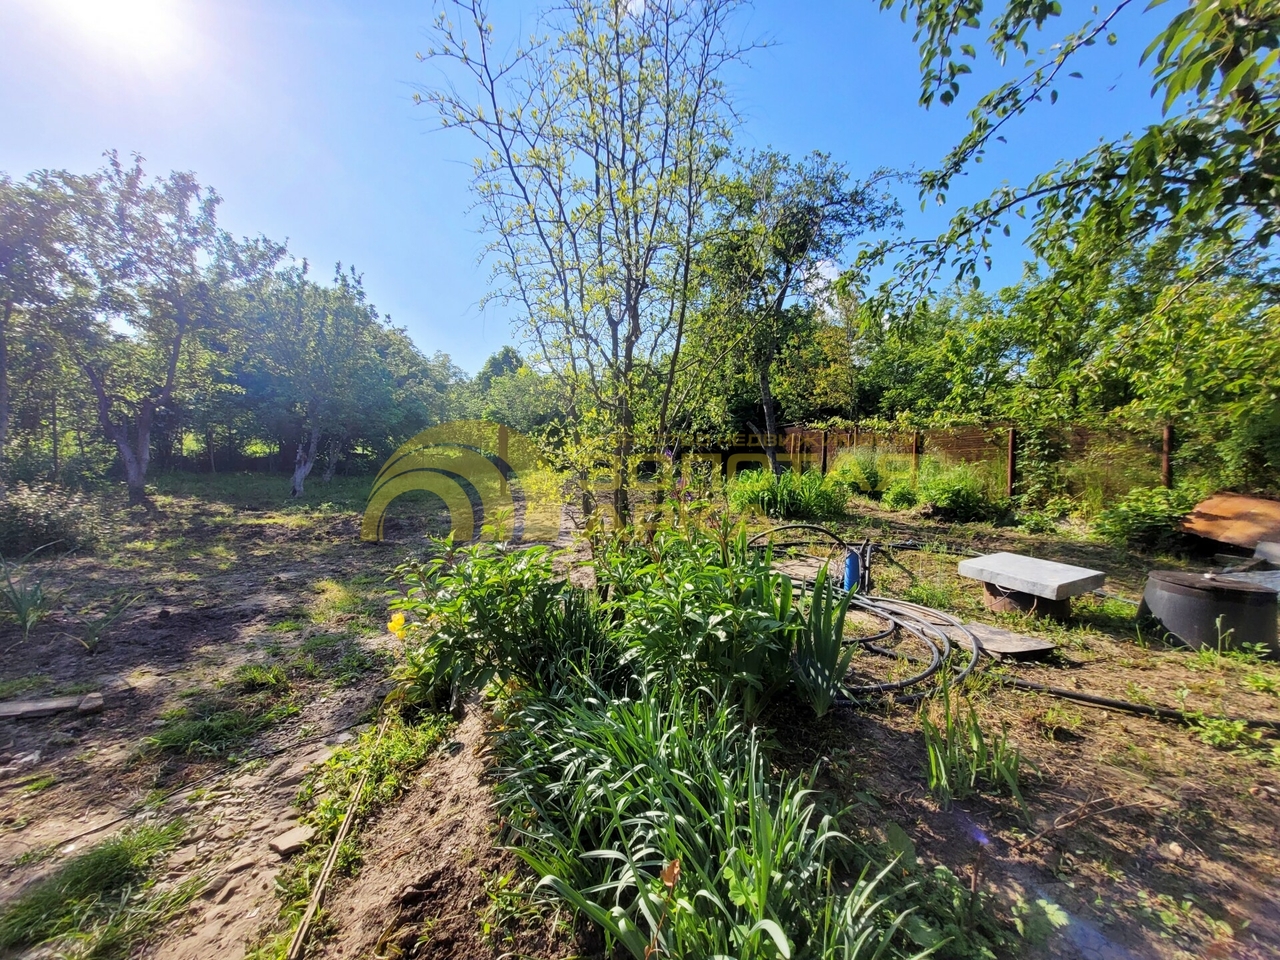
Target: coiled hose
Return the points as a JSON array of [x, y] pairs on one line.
[[934, 628]]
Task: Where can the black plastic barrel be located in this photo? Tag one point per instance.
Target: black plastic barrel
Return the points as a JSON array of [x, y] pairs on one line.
[[1205, 610]]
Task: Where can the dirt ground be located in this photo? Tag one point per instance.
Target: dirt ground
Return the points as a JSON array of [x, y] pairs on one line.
[[1153, 842]]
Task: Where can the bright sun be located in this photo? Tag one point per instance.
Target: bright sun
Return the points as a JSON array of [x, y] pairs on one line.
[[144, 30]]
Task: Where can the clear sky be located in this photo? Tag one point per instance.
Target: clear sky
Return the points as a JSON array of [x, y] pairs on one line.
[[300, 113]]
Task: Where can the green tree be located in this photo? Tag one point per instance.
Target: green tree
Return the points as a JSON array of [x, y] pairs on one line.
[[153, 297], [1208, 172], [599, 143], [779, 224], [36, 235]]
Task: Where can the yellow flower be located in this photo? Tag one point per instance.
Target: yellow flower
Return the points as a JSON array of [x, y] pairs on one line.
[[396, 625]]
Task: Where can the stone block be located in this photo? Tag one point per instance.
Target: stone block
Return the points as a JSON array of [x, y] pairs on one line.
[[1040, 578]]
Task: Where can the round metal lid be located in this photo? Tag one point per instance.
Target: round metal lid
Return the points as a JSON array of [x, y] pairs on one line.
[[1213, 583]]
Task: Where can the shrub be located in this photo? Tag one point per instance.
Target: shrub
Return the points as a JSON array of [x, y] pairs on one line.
[[788, 495], [1146, 517], [956, 494], [901, 495], [38, 515]]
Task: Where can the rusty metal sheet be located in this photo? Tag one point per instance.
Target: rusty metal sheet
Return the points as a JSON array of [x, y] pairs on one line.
[[1236, 519]]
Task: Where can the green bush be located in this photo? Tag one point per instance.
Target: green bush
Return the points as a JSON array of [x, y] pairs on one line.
[[1146, 517], [901, 495], [39, 515], [788, 495], [956, 494]]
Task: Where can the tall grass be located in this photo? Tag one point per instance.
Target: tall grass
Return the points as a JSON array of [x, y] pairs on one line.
[[606, 796], [787, 495], [100, 903]]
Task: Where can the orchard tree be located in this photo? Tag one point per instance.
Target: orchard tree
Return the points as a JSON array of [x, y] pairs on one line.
[[159, 271], [599, 142], [36, 236], [779, 223]]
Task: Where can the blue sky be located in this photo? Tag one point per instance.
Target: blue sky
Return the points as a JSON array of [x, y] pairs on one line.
[[300, 113]]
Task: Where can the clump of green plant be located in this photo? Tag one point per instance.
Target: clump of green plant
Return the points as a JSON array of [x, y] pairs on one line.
[[1262, 683], [403, 747], [252, 677], [23, 599], [100, 904], [1226, 734], [822, 657], [688, 847], [957, 494], [900, 495], [940, 596], [962, 757], [39, 514], [867, 472], [1146, 517], [788, 495], [92, 629], [216, 726], [632, 778]]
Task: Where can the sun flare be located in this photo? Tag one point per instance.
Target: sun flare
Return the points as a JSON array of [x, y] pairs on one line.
[[143, 30]]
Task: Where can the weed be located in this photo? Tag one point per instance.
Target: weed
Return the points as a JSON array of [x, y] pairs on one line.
[[92, 630], [252, 677], [213, 727], [1261, 683], [1058, 721], [960, 756], [1226, 734], [326, 791], [20, 685], [36, 855], [26, 601], [101, 903], [39, 784], [940, 596]]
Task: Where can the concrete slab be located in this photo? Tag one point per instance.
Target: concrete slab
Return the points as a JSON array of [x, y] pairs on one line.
[[27, 709], [1004, 643], [1040, 578]]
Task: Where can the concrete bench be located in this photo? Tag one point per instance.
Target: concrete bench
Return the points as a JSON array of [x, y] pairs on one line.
[[1029, 584]]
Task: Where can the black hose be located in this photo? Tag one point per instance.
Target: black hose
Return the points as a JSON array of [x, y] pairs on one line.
[[1142, 709], [925, 623]]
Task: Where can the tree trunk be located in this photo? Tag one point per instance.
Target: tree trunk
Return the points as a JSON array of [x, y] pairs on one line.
[[331, 460], [304, 461], [4, 386], [770, 419], [55, 435]]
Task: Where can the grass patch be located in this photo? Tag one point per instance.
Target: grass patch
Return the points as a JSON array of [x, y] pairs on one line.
[[215, 727], [38, 784], [252, 677], [11, 689], [103, 903]]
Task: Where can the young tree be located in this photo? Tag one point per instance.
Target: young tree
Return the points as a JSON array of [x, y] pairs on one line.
[[599, 145], [779, 223]]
